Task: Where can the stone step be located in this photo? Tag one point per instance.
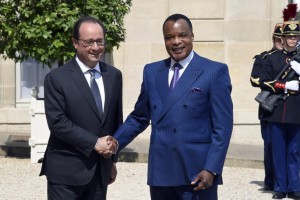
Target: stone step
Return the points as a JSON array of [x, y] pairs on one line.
[[15, 145]]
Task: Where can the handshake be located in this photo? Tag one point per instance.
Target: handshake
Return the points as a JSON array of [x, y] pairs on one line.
[[106, 146]]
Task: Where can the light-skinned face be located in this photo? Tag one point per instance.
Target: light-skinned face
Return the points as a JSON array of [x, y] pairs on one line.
[[290, 42], [89, 55], [178, 39], [278, 44]]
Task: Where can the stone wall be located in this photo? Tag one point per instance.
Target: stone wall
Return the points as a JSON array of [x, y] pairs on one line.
[[12, 119], [230, 31]]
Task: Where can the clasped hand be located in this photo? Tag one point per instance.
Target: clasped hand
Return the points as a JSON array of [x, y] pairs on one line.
[[106, 146]]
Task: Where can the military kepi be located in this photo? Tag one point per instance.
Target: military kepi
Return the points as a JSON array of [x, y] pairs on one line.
[[277, 30], [290, 25]]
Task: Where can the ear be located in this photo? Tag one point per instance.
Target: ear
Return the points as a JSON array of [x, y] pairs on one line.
[[75, 43]]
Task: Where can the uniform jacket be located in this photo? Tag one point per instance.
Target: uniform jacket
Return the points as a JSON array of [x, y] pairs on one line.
[[287, 110], [258, 72], [257, 69], [75, 123], [191, 125]]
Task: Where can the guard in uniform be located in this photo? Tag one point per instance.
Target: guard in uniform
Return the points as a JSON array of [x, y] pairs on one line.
[[255, 80], [284, 120]]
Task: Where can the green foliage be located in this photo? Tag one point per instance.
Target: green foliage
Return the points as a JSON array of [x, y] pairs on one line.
[[42, 29]]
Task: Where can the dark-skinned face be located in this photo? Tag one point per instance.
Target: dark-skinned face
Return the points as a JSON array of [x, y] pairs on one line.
[[178, 39]]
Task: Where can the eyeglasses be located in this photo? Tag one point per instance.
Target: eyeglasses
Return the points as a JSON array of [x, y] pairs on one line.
[[89, 43]]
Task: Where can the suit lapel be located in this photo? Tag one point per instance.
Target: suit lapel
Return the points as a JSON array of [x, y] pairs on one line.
[[190, 75], [162, 80], [83, 86]]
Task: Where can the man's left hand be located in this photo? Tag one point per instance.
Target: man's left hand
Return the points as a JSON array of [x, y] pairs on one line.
[[204, 179]]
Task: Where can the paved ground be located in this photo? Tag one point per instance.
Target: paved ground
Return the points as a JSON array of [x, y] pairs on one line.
[[243, 174], [19, 180]]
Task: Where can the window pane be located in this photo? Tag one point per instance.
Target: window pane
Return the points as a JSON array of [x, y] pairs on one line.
[[32, 74]]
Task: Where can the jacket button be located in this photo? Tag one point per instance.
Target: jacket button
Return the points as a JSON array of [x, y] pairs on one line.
[[185, 106], [174, 130], [154, 107]]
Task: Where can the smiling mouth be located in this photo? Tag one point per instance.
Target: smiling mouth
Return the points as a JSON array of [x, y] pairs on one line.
[[95, 55], [177, 50]]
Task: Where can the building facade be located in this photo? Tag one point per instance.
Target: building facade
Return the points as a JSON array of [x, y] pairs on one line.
[[230, 31]]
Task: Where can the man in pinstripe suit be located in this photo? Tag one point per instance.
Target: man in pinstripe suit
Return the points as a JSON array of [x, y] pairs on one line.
[[191, 123]]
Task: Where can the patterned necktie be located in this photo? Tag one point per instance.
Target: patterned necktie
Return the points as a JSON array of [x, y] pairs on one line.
[[95, 91], [175, 78]]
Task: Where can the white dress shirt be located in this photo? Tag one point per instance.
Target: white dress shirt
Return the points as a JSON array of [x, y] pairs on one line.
[[184, 63], [85, 69]]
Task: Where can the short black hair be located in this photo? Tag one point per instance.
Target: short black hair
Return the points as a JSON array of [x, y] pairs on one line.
[[176, 17], [86, 19]]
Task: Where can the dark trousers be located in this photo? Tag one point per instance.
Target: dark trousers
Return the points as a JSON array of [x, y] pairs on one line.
[[183, 193], [286, 156], [268, 160], [94, 190]]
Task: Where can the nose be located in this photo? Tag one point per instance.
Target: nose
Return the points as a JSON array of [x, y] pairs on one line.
[[95, 45], [176, 40]]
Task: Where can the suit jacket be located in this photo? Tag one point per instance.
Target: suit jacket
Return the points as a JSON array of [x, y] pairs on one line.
[[75, 123], [191, 125]]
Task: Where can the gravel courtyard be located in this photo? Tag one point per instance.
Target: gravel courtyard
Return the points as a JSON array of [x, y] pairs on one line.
[[19, 180]]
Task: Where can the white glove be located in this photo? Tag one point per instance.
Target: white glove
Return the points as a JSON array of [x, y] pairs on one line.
[[295, 66], [291, 85]]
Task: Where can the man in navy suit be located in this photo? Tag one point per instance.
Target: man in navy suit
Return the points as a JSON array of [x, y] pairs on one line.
[[80, 121], [191, 119]]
